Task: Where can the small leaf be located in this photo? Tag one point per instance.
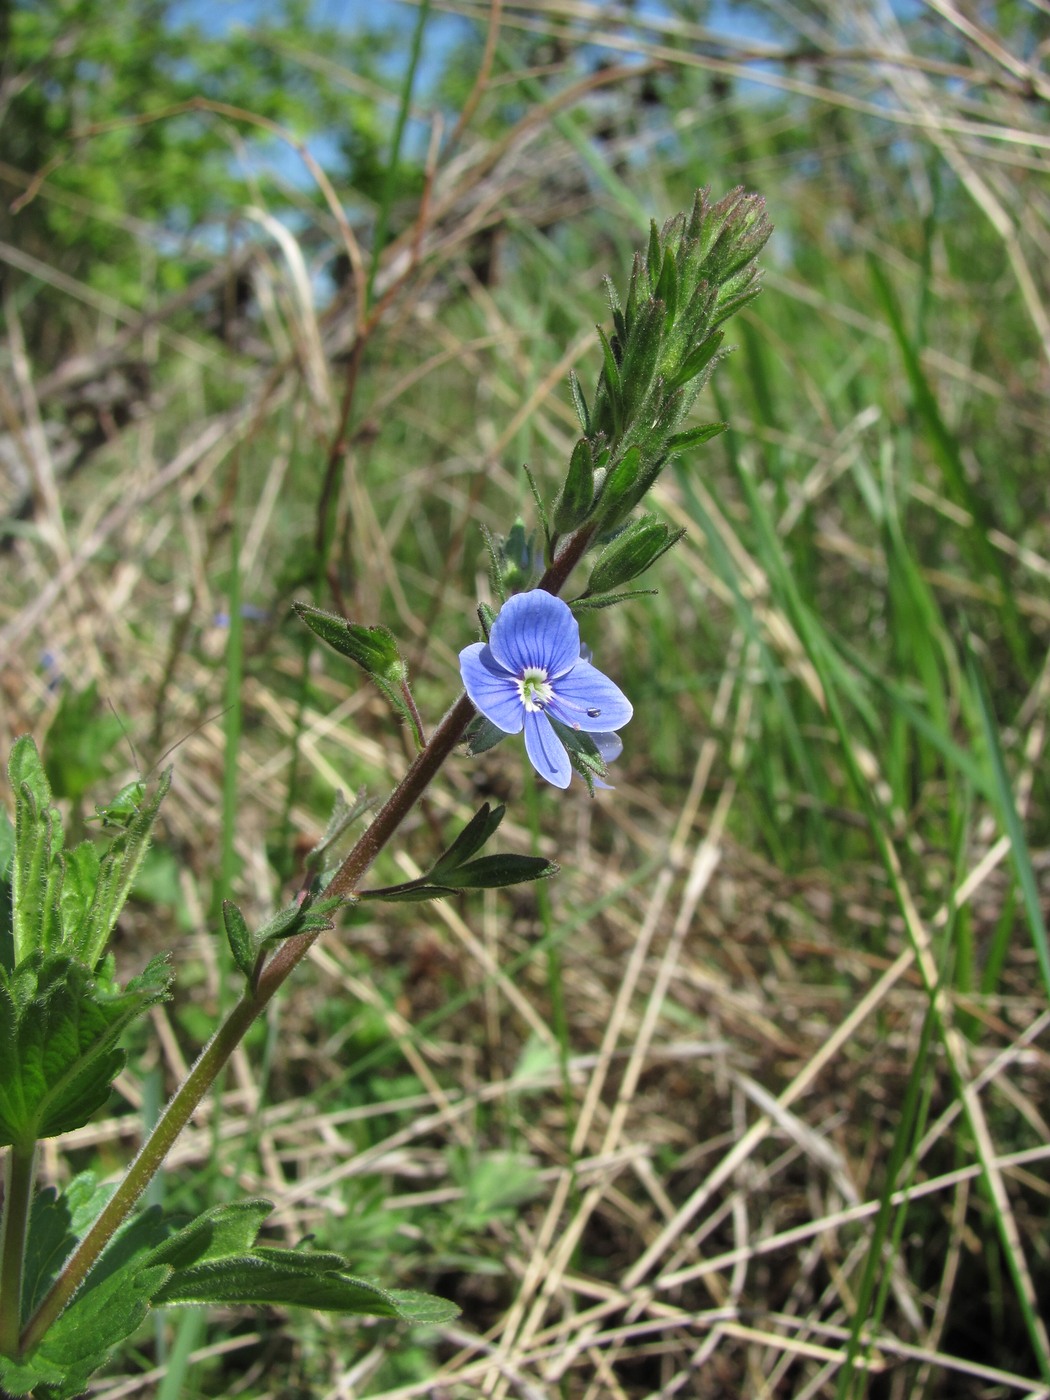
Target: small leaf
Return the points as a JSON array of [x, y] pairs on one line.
[[608, 600], [618, 492], [344, 814], [410, 892], [38, 838], [483, 735], [694, 437], [633, 551], [79, 880], [493, 872], [239, 938], [470, 840], [577, 495], [583, 413], [697, 360]]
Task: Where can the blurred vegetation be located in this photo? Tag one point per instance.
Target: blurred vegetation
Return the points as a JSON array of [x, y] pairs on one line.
[[219, 400]]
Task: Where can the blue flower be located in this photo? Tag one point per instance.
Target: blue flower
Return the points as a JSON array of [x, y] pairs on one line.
[[530, 671]]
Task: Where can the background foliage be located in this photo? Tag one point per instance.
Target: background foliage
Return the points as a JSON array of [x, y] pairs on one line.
[[652, 1125]]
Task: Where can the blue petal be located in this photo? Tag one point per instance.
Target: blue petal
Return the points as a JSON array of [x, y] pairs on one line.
[[493, 690], [536, 629], [610, 746], [589, 700], [545, 751]]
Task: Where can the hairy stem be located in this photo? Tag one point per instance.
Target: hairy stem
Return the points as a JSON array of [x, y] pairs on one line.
[[289, 954], [18, 1196]]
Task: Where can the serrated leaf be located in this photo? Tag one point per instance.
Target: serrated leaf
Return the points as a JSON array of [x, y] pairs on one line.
[[58, 1042], [470, 840], [80, 870], [116, 875], [98, 1318], [292, 1278], [38, 839], [222, 1232], [23, 1377], [56, 1222]]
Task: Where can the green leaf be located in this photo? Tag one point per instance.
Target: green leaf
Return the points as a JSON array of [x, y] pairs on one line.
[[7, 851], [58, 1042], [220, 1233], [374, 649], [483, 735], [633, 551], [608, 600], [693, 437], [470, 840], [79, 880], [116, 875], [96, 1321], [618, 491], [411, 892], [584, 754], [56, 1223], [577, 495], [295, 1278], [493, 872], [583, 413], [38, 838], [239, 938]]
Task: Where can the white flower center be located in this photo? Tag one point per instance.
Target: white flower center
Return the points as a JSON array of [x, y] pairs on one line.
[[534, 688]]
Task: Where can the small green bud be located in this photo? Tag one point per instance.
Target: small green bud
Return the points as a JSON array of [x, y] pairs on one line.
[[372, 648]]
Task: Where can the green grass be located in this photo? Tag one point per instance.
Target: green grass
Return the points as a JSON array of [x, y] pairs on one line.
[[750, 1100]]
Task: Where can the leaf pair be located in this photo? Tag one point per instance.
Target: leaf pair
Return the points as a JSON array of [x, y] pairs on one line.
[[455, 869], [303, 916]]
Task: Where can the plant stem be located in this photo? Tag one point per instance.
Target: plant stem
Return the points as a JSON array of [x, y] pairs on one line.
[[290, 953], [18, 1196]]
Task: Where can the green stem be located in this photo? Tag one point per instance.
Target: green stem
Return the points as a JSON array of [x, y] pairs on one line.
[[289, 954], [18, 1196]]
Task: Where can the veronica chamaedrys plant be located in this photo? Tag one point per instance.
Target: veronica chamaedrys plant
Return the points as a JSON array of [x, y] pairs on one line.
[[80, 1268]]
